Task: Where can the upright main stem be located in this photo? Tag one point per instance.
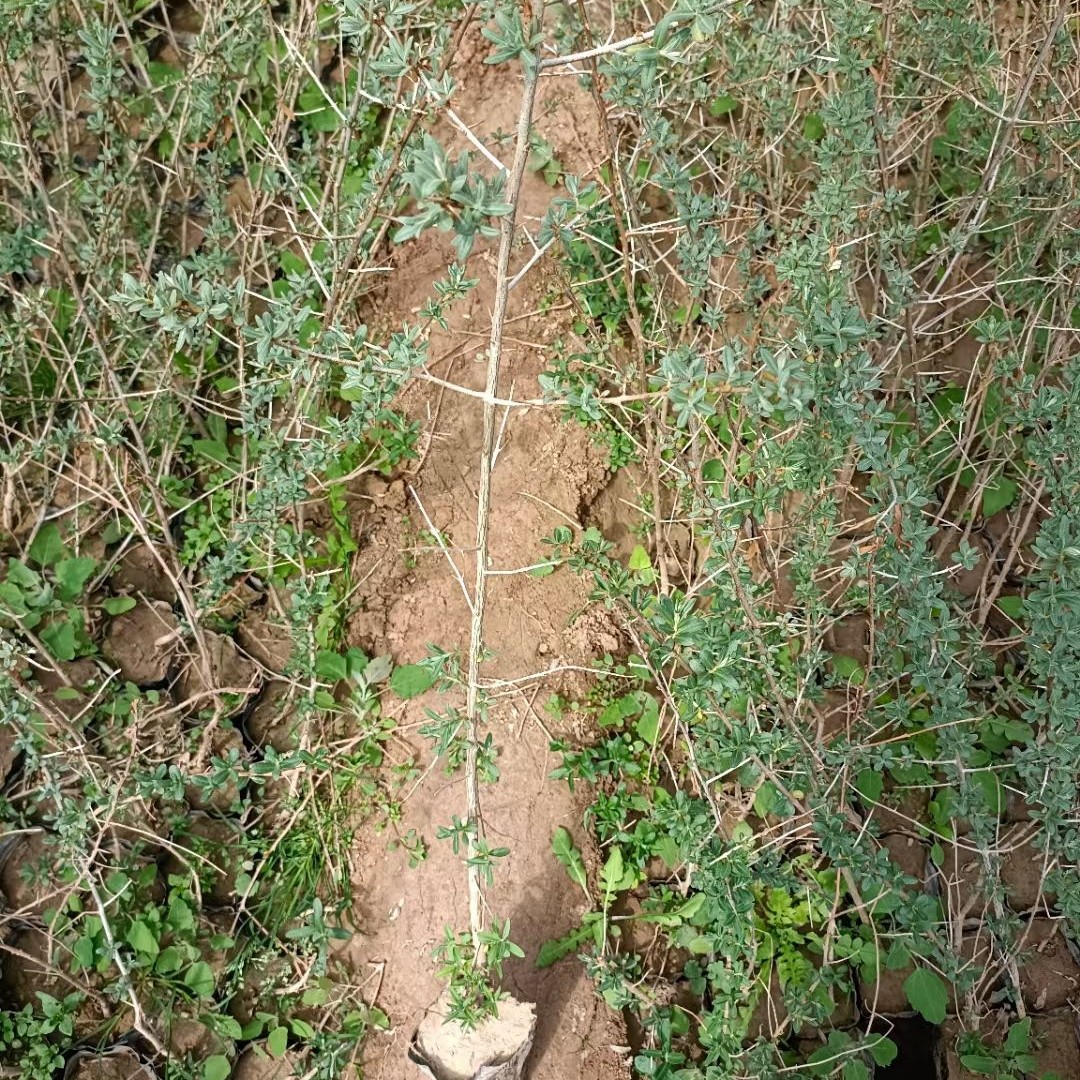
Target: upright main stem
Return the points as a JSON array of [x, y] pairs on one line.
[[483, 501]]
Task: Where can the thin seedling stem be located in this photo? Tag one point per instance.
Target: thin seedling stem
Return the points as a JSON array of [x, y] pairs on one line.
[[483, 498]]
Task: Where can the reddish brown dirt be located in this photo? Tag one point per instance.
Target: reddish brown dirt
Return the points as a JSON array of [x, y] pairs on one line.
[[116, 1065], [547, 474], [1053, 1043], [256, 1065]]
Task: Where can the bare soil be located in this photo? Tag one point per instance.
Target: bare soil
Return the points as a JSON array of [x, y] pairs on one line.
[[254, 1064], [118, 1064]]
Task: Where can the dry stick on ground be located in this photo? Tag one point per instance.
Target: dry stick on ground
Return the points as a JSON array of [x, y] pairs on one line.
[[483, 500]]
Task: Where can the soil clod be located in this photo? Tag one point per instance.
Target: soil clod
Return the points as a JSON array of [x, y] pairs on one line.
[[119, 1064], [497, 1049], [142, 642]]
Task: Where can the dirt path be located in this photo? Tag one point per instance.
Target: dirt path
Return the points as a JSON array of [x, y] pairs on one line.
[[546, 473]]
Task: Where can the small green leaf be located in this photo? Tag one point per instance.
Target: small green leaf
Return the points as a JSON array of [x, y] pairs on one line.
[[378, 670], [648, 726], [214, 449], [1018, 731], [999, 494], [847, 667], [793, 970], [83, 951], [289, 262], [612, 874], [277, 1041], [180, 916], [723, 105], [928, 994], [640, 565], [356, 662], [983, 1064], [870, 784], [141, 938], [854, 1069], [768, 800], [611, 715], [668, 850], [813, 127], [162, 74], [216, 1067], [169, 960], [331, 666], [12, 603], [409, 680], [551, 952], [199, 979], [869, 959], [48, 546], [59, 636], [253, 1028], [323, 120], [563, 846], [1018, 1040], [883, 1051], [301, 1028], [21, 575], [1012, 606], [72, 575], [991, 789], [691, 907], [117, 605], [117, 882], [898, 957], [223, 1025]]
